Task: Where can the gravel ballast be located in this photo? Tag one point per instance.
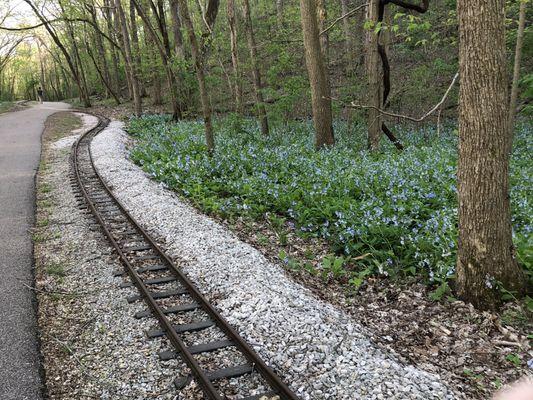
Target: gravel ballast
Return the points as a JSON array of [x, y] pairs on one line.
[[320, 351], [92, 346]]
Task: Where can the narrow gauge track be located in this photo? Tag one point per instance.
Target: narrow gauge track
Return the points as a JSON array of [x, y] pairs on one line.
[[169, 294]]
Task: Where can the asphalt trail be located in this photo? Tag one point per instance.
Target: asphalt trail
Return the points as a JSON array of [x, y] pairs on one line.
[[20, 149]]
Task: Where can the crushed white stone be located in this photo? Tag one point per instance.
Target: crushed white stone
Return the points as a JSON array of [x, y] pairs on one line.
[[320, 351]]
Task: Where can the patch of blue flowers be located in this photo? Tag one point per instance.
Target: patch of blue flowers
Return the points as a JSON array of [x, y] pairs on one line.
[[399, 207]]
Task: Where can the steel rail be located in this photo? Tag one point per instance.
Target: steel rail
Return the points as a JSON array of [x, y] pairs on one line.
[[203, 380]]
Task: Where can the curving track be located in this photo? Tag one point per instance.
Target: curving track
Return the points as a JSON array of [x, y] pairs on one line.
[[182, 312]]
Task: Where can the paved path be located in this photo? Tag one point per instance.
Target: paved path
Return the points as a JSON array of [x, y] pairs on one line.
[[20, 148]]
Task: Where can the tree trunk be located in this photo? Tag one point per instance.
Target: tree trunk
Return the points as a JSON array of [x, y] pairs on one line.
[[159, 14], [485, 253], [135, 48], [349, 48], [322, 16], [322, 114], [114, 56], [517, 60], [78, 65], [153, 67], [258, 92], [200, 75], [101, 51], [237, 82], [373, 76], [176, 30], [130, 65]]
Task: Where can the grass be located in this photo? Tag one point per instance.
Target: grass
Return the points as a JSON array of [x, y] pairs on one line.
[[394, 213], [61, 124], [6, 106], [56, 269]]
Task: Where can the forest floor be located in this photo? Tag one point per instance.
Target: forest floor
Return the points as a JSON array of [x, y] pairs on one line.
[[477, 352]]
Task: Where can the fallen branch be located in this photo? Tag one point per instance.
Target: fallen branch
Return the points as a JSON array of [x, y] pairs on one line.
[[422, 118], [348, 14], [507, 344], [52, 292]]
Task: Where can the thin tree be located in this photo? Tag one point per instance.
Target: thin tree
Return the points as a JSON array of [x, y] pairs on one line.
[[347, 28], [256, 74], [108, 15], [197, 56], [517, 61], [486, 256], [129, 61], [237, 82], [373, 78], [321, 101]]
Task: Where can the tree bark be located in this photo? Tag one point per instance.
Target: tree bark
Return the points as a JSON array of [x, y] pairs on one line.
[[176, 30], [130, 63], [486, 256], [237, 82], [322, 15], [517, 60], [200, 75], [349, 48], [373, 76], [256, 74], [321, 101]]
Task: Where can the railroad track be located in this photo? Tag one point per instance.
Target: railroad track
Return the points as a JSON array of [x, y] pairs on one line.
[[192, 325]]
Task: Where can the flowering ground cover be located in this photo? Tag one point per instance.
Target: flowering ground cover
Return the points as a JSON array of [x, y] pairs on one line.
[[396, 213]]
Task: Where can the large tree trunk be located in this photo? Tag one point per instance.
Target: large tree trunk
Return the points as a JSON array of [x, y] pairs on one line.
[[373, 76], [485, 256], [517, 60], [237, 82], [258, 88], [130, 63], [200, 75], [321, 101]]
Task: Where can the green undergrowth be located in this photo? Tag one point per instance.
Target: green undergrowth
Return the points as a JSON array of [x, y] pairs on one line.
[[394, 213]]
